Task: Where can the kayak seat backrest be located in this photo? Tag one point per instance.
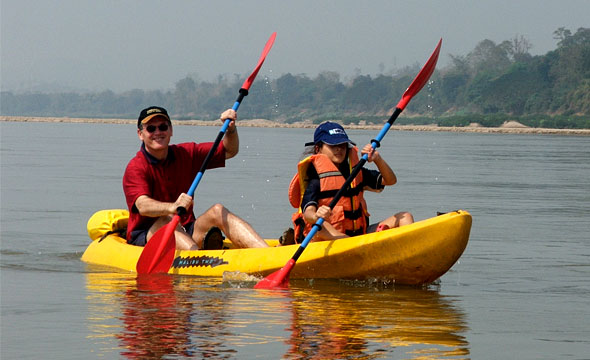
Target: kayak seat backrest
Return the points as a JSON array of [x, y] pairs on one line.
[[106, 222]]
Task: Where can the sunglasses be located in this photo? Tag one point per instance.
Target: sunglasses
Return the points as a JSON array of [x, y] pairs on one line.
[[152, 128]]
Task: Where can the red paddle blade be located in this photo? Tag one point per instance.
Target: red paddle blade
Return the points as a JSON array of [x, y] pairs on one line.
[[265, 51], [421, 79], [278, 279], [158, 254]]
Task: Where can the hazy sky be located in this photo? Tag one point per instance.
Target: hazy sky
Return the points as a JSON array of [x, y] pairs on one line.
[[148, 44]]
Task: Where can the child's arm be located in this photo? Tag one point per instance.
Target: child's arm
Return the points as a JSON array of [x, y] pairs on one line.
[[387, 175]]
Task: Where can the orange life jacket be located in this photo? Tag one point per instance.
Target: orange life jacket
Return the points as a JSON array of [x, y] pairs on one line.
[[349, 215]]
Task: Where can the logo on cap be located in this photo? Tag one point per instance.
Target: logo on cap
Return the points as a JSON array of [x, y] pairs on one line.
[[151, 111], [148, 113], [336, 132]]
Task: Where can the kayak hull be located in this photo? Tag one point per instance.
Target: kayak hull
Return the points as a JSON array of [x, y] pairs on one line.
[[413, 254]]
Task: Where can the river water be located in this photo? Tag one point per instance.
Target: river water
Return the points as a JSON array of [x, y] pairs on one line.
[[521, 290]]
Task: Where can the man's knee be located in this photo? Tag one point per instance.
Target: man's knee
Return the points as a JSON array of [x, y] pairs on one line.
[[217, 210], [405, 218]]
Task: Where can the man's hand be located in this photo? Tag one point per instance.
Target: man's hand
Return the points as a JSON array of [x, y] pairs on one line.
[[231, 142], [233, 116], [183, 201]]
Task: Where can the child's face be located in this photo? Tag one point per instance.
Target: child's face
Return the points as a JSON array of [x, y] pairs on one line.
[[336, 153]]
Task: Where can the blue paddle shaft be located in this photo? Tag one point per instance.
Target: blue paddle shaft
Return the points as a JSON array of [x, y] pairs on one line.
[[191, 191]]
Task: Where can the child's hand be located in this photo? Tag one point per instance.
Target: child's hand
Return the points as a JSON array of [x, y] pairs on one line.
[[373, 154], [324, 212]]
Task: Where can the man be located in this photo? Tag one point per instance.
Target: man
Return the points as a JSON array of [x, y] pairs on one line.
[[156, 179]]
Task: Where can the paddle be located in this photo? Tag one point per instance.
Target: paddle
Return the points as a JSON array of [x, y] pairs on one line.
[[158, 254], [280, 278]]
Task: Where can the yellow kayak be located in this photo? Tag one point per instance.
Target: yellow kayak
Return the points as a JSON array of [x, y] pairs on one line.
[[413, 254]]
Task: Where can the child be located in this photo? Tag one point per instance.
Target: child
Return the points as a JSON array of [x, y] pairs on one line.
[[323, 173]]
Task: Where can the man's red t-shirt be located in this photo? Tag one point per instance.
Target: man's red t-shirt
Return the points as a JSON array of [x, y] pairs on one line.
[[165, 180]]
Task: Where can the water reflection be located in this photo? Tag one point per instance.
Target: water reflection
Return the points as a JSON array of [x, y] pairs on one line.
[[156, 319], [156, 316], [184, 317], [335, 321]]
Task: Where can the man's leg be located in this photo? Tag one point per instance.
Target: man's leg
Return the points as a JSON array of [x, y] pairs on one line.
[[183, 240], [241, 234], [399, 219]]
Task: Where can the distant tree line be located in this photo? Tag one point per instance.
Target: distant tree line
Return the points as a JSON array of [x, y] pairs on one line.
[[491, 84]]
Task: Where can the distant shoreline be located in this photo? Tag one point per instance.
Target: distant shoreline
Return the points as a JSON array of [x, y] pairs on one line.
[[508, 128]]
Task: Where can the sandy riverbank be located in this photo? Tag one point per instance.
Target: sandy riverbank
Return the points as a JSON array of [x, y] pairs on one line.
[[510, 127]]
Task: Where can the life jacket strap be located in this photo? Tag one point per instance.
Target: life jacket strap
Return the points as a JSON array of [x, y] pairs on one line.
[[350, 192], [354, 214]]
